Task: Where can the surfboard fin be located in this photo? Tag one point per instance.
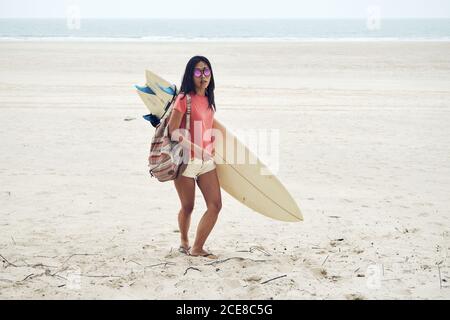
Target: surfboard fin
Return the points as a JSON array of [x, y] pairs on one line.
[[145, 89], [154, 120], [169, 90]]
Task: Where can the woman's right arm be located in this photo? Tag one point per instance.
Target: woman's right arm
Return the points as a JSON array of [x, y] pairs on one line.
[[175, 121], [178, 135]]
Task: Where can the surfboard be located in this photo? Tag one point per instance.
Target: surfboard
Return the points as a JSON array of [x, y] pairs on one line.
[[150, 100], [162, 89], [263, 193]]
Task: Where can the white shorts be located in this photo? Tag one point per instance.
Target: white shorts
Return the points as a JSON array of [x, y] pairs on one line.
[[198, 167]]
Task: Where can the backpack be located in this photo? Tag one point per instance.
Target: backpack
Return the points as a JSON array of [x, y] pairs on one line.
[[166, 156]]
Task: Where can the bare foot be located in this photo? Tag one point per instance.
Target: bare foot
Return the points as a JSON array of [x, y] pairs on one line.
[[184, 248], [202, 253]]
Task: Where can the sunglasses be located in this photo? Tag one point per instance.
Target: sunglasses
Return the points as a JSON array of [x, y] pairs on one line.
[[198, 72]]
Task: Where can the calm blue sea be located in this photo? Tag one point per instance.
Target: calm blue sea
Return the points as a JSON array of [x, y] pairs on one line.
[[210, 30]]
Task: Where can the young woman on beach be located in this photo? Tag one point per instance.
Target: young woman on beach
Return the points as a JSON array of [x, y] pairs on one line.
[[198, 82]]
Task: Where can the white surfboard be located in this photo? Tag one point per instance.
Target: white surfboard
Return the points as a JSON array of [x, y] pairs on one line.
[[160, 86], [152, 102], [264, 193]]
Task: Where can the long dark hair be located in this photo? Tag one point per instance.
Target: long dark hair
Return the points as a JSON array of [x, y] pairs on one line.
[[188, 85]]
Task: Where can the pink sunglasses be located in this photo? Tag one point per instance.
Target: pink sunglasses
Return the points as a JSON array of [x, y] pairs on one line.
[[198, 72]]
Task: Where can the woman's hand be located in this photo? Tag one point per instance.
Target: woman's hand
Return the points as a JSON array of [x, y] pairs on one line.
[[213, 151], [207, 155], [210, 151]]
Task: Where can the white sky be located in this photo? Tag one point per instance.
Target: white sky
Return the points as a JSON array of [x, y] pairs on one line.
[[217, 9]]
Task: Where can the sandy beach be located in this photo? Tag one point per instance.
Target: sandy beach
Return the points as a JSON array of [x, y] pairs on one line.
[[364, 149]]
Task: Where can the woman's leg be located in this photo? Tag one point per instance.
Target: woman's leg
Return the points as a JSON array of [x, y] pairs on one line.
[[210, 188], [186, 192]]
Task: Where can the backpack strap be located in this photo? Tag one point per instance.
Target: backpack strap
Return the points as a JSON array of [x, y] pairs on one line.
[[188, 113], [188, 117]]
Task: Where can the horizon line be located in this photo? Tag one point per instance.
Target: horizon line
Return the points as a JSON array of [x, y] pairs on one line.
[[229, 18]]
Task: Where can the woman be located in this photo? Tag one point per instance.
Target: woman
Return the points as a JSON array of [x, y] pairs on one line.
[[198, 82]]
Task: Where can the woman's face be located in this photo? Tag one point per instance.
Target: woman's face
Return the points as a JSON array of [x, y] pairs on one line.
[[202, 75]]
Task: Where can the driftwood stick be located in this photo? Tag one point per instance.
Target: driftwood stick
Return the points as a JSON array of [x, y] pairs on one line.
[[79, 254], [39, 256], [440, 278], [253, 248], [238, 258], [325, 260], [160, 264], [260, 249], [63, 269], [32, 275], [41, 265], [185, 272], [28, 276], [6, 260], [99, 276], [285, 275]]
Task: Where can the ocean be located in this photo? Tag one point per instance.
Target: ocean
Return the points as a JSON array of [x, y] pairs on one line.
[[219, 30]]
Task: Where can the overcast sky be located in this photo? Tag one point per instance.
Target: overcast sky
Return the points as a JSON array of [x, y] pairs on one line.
[[225, 8]]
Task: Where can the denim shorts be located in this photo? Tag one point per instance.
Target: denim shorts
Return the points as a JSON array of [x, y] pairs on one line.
[[197, 167]]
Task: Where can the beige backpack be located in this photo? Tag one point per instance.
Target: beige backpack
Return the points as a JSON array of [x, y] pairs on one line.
[[167, 158]]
